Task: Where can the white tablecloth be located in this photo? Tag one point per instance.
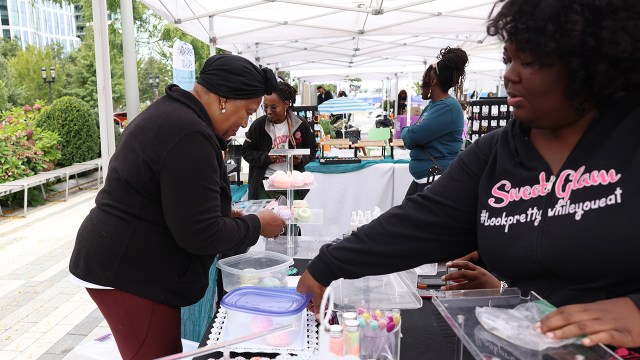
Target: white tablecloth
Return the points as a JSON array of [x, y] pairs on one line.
[[383, 185], [401, 181]]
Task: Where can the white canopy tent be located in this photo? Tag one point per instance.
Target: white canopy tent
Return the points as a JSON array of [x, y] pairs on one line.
[[318, 35]]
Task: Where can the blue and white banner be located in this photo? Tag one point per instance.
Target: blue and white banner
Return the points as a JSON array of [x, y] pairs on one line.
[[184, 64]]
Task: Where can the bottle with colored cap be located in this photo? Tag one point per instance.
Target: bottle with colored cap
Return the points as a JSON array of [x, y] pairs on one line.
[[352, 338], [336, 344]]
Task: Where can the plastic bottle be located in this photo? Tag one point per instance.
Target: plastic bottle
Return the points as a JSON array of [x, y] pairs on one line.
[[352, 338], [354, 219], [336, 344], [348, 316], [376, 212], [353, 224], [367, 217]]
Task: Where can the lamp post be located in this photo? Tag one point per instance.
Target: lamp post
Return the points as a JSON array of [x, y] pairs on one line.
[[154, 82], [50, 81]]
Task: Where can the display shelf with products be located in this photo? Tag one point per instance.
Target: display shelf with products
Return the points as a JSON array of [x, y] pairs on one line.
[[292, 220], [302, 247], [487, 115], [313, 216], [270, 187], [312, 116]]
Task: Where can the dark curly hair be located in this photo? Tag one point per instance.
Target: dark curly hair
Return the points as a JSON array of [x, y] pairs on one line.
[[286, 92], [449, 69], [595, 39]]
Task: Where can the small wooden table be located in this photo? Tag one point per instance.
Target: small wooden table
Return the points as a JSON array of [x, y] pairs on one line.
[[363, 144], [396, 143]]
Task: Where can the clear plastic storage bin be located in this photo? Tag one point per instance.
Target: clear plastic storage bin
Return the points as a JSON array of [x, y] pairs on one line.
[[252, 310], [391, 291], [256, 268], [459, 310]]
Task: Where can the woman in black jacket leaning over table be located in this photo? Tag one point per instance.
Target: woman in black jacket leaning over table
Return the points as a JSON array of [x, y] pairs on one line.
[[280, 128], [550, 200], [165, 212]]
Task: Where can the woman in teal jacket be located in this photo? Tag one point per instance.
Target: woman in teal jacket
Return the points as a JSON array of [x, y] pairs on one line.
[[437, 135]]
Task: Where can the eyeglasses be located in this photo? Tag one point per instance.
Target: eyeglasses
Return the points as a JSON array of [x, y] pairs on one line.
[[273, 108]]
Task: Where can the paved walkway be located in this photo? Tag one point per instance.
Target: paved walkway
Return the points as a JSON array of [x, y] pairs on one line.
[[42, 314]]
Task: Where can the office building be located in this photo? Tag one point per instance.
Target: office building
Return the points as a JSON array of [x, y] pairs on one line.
[[39, 23]]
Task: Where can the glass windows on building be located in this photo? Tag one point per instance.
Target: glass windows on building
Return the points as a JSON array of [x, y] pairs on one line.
[[13, 12], [4, 13], [39, 22]]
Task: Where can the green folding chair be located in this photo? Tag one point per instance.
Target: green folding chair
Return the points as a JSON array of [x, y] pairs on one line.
[[380, 134]]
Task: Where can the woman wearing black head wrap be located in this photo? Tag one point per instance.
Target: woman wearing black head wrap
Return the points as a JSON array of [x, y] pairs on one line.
[[164, 213]]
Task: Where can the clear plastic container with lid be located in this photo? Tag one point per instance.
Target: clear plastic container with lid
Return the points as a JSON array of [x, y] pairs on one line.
[[390, 291], [253, 309], [255, 268]]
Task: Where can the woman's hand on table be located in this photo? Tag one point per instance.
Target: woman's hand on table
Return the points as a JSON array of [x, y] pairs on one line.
[[469, 276], [612, 322], [308, 285], [236, 213], [271, 225]]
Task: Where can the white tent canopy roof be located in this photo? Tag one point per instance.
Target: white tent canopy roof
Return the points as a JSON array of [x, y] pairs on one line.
[[301, 35]]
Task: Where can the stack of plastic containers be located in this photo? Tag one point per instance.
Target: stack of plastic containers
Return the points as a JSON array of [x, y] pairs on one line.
[[257, 268]]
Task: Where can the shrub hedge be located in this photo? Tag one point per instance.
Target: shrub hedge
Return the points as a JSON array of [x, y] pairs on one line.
[[25, 150], [73, 120]]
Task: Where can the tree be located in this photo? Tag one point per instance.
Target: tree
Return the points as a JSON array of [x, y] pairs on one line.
[[80, 70], [4, 79], [154, 39], [80, 67], [9, 48], [151, 67], [417, 87], [4, 97], [25, 81], [330, 88]]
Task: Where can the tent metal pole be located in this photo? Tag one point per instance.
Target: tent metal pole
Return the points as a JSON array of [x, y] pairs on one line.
[[132, 93], [395, 103], [212, 37], [103, 77], [409, 99]]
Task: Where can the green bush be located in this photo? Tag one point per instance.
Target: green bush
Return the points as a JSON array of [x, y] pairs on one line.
[[73, 120], [327, 128], [25, 150]]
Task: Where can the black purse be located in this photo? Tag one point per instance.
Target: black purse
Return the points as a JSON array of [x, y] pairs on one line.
[[434, 171]]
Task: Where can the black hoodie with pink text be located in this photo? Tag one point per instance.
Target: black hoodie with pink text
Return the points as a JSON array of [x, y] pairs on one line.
[[572, 237]]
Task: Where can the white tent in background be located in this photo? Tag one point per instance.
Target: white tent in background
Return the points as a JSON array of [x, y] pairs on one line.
[[296, 35]]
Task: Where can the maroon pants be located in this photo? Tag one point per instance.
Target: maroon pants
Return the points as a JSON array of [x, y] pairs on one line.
[[143, 329]]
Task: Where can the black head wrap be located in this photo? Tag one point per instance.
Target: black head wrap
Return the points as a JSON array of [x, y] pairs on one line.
[[234, 77]]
